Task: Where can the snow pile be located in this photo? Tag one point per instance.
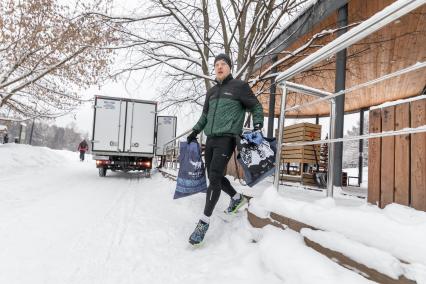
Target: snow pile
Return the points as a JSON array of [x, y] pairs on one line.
[[397, 229], [286, 253], [16, 157]]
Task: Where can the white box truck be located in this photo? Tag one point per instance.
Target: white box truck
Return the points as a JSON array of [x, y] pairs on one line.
[[124, 133]]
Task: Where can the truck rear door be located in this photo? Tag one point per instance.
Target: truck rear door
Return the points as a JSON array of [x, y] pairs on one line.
[[140, 127], [166, 131], [108, 128]]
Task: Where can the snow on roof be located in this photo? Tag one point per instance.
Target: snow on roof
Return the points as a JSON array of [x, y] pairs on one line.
[[3, 127], [291, 20]]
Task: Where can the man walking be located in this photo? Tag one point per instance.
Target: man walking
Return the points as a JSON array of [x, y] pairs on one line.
[[222, 120]]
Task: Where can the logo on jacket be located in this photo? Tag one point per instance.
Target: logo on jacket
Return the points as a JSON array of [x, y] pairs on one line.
[[227, 94]]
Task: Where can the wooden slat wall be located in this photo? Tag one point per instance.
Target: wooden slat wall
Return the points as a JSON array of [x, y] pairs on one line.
[[397, 164], [402, 155], [374, 158], [418, 156], [387, 182]]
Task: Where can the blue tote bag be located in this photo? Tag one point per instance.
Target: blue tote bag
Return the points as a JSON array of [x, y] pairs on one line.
[[192, 175]]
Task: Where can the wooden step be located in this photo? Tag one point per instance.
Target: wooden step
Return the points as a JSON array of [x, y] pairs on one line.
[[284, 222]]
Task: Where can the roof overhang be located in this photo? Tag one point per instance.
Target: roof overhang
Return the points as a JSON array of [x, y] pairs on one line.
[[302, 23]]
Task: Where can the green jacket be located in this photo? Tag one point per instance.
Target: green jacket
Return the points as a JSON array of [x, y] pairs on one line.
[[225, 107]]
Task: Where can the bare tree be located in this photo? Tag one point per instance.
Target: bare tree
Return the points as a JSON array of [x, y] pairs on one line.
[[47, 51], [179, 39]]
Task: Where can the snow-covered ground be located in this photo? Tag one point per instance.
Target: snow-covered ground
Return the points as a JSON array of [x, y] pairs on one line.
[[385, 240], [61, 223]]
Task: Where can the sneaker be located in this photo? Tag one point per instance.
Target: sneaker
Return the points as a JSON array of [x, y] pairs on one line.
[[198, 235], [235, 204]]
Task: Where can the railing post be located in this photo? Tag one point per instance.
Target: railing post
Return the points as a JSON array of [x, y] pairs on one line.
[[176, 155], [361, 146], [331, 135], [272, 94], [280, 136], [340, 83]]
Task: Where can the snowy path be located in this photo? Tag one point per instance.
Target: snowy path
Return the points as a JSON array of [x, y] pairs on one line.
[[61, 223]]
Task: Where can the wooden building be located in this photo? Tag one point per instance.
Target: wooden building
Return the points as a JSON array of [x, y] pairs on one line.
[[396, 46]]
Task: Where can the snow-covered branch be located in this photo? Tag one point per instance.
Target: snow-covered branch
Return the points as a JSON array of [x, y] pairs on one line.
[[126, 19], [47, 53]]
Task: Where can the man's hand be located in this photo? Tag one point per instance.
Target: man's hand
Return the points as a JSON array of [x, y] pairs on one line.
[[257, 127], [192, 137]]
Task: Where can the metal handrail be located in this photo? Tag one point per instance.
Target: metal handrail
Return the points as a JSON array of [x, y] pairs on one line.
[[369, 26], [188, 131], [294, 87], [177, 137], [307, 90], [319, 93], [405, 131], [172, 150]]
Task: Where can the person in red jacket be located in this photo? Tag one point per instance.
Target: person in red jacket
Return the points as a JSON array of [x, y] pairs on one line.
[[83, 148]]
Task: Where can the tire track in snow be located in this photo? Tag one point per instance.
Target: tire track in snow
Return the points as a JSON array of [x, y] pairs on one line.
[[124, 217], [111, 229], [97, 230]]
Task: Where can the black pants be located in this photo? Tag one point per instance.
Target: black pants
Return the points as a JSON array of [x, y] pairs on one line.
[[218, 152], [82, 155]]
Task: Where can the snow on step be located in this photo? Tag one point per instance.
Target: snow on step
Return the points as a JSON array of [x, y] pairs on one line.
[[285, 253], [397, 229], [371, 257]]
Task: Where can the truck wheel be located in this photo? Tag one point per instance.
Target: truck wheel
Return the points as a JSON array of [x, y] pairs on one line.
[[102, 172]]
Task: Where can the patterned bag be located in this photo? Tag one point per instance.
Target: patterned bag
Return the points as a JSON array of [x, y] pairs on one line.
[[192, 175], [257, 160]]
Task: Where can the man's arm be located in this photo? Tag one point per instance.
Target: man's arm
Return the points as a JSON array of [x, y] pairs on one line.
[[252, 104], [199, 126]]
